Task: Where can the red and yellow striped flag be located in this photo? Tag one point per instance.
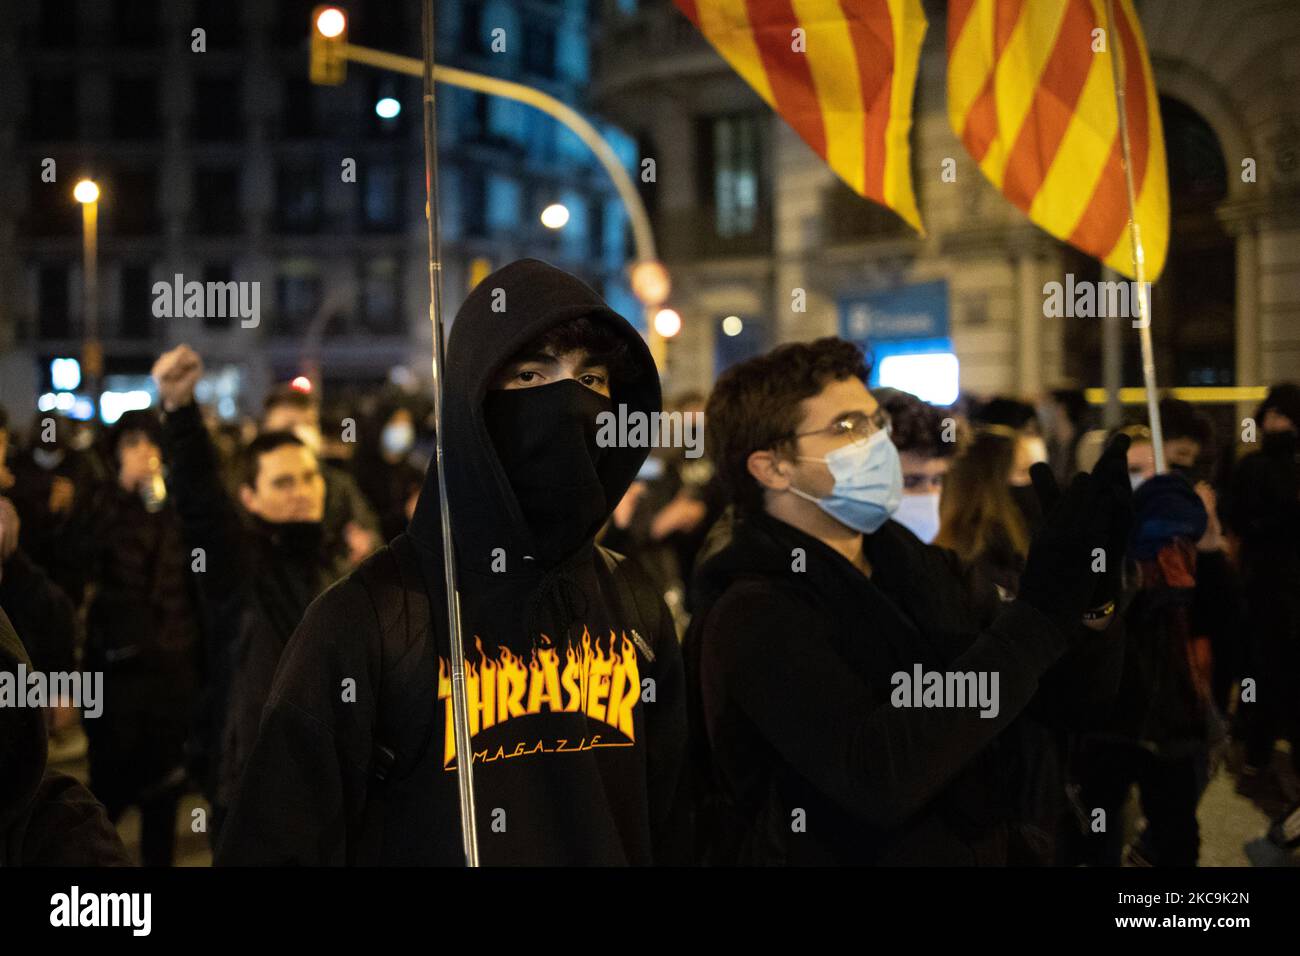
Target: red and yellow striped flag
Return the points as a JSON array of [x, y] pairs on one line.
[[844, 84], [1036, 108]]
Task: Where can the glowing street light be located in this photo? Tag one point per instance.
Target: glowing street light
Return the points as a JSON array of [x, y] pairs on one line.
[[667, 323], [650, 282], [388, 108], [331, 22], [732, 325], [85, 191], [555, 216]]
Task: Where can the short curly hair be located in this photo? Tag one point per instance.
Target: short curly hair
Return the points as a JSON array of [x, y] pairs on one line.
[[755, 406], [917, 425]]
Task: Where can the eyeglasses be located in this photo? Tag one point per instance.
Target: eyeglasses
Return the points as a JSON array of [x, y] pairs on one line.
[[855, 425]]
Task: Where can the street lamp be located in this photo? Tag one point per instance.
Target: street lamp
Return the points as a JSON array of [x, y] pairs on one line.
[[86, 192], [555, 216]]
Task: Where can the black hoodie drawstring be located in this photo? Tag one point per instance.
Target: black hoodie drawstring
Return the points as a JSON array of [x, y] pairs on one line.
[[562, 594]]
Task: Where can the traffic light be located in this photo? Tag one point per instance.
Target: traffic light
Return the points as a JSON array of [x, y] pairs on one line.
[[329, 32]]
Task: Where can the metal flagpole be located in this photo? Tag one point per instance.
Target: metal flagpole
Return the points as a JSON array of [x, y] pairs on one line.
[[1139, 259], [459, 699]]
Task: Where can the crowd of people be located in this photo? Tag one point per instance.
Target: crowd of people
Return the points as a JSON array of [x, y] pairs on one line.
[[671, 658]]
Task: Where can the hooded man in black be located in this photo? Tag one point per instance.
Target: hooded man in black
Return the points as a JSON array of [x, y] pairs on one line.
[[46, 818], [577, 714]]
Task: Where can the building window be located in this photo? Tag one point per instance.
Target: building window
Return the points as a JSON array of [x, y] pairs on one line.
[[220, 18], [298, 198], [505, 198], [53, 320], [135, 108], [216, 200], [539, 51], [298, 298], [216, 272], [381, 296], [52, 113], [217, 113], [56, 26], [135, 303], [381, 197], [733, 162], [474, 202], [299, 111], [134, 202], [135, 22]]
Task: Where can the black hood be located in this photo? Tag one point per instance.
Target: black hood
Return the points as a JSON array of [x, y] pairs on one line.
[[22, 735], [485, 512]]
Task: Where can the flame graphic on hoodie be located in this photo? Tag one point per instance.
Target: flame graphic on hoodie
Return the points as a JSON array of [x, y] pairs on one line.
[[603, 685]]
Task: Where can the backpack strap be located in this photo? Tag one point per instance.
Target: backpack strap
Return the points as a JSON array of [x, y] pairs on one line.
[[636, 598]]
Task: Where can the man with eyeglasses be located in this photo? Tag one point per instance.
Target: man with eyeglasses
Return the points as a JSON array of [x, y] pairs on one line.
[[815, 609]]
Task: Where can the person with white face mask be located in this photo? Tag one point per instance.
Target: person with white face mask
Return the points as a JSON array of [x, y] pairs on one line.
[[810, 603], [918, 433]]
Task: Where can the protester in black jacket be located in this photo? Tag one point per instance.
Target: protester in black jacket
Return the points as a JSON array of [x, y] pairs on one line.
[[1262, 507], [576, 692], [142, 633], [258, 571], [818, 616], [34, 602], [46, 818]]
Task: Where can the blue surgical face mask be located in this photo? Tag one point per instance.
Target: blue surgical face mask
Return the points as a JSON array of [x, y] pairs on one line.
[[919, 514], [868, 483]]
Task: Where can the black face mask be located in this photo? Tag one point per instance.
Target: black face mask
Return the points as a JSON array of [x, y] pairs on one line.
[[545, 438]]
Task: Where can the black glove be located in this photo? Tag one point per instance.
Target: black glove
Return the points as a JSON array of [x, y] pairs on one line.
[[1058, 578], [1111, 473]]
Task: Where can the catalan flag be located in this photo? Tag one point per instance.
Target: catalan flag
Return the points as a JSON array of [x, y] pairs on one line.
[[1031, 95], [840, 72]]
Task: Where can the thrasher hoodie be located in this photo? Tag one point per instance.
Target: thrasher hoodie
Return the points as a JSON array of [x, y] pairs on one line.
[[577, 708]]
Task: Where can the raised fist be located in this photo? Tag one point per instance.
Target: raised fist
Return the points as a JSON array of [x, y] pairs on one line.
[[176, 373]]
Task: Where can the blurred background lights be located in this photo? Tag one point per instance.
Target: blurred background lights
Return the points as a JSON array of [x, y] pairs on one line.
[[732, 325], [302, 384], [555, 216], [85, 191], [330, 22], [668, 323], [388, 108], [931, 377], [65, 374]]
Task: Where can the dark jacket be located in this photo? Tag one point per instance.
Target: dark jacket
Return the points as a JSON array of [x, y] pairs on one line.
[[792, 676], [41, 610], [258, 580], [562, 775], [142, 632], [46, 818]]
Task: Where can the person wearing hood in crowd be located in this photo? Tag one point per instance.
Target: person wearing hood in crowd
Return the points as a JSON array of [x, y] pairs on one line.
[[820, 618], [1262, 508], [142, 632], [1165, 720], [257, 571], [919, 435], [382, 466], [46, 818], [349, 520], [573, 671]]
